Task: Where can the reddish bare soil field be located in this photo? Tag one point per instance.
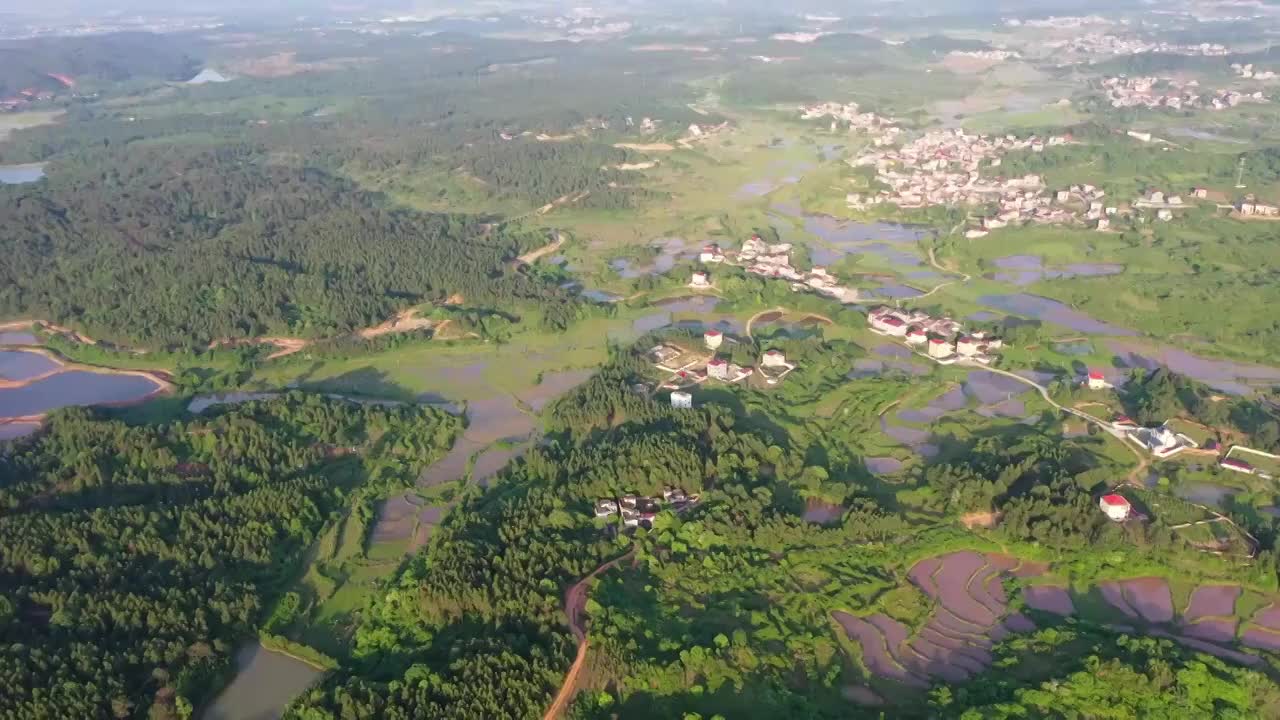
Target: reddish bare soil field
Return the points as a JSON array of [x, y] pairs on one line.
[[1150, 597], [874, 655], [1210, 648], [1220, 630], [1212, 601], [395, 520], [1114, 595], [1268, 617], [1256, 637], [1049, 598], [922, 575], [1019, 623]]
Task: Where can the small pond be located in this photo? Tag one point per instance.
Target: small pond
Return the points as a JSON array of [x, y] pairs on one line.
[[21, 174], [264, 685]]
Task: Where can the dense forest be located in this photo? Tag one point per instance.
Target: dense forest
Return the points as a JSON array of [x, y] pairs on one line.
[[114, 58], [166, 245], [133, 559]]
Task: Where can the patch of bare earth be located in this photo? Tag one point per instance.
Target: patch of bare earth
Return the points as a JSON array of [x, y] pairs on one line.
[[1212, 601], [404, 321], [646, 147], [1049, 598]]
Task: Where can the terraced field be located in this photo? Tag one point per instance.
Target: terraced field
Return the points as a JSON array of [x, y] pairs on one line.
[[1210, 622], [972, 613]]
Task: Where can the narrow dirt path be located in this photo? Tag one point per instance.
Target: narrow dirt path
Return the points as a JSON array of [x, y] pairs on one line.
[[964, 277], [575, 600], [532, 256]]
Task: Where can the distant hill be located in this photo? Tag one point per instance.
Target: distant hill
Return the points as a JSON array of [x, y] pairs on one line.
[[50, 63]]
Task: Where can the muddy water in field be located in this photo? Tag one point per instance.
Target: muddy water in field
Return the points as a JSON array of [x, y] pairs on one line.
[[1051, 311], [21, 365], [264, 685], [73, 387]]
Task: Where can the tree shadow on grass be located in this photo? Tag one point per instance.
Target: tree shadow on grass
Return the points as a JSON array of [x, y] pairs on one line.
[[367, 382]]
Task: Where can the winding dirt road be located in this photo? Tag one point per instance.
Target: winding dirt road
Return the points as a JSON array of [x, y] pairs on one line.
[[575, 601]]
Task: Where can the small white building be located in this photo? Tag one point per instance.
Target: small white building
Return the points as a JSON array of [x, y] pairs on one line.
[[681, 400], [939, 348], [916, 336], [968, 346], [711, 254], [1097, 381], [1116, 507], [1164, 214], [1062, 196], [713, 338], [606, 507], [718, 368], [700, 279], [1104, 224], [773, 359]]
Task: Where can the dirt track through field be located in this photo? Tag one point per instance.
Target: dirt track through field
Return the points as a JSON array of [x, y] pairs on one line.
[[575, 601]]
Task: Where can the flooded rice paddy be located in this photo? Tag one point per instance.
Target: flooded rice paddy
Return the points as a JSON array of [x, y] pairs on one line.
[[10, 337], [264, 685], [73, 387], [19, 365], [1051, 311], [972, 613], [1027, 269]]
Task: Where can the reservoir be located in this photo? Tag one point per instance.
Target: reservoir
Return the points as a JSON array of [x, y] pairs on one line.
[[264, 685], [20, 174], [73, 387]]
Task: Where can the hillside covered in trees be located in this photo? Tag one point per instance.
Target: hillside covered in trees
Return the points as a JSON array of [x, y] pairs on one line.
[[166, 245], [119, 57], [133, 559]]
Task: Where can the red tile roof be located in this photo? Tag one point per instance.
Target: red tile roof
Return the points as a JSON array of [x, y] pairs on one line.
[[1232, 462], [1114, 500], [1096, 375]]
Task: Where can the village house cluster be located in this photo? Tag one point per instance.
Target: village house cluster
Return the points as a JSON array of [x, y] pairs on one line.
[[688, 368], [1109, 44], [992, 55], [640, 510], [943, 168], [883, 130], [1249, 73], [773, 260], [1154, 92], [943, 339]]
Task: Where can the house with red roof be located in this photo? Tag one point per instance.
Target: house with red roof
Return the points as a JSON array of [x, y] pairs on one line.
[[1116, 507], [1239, 466]]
